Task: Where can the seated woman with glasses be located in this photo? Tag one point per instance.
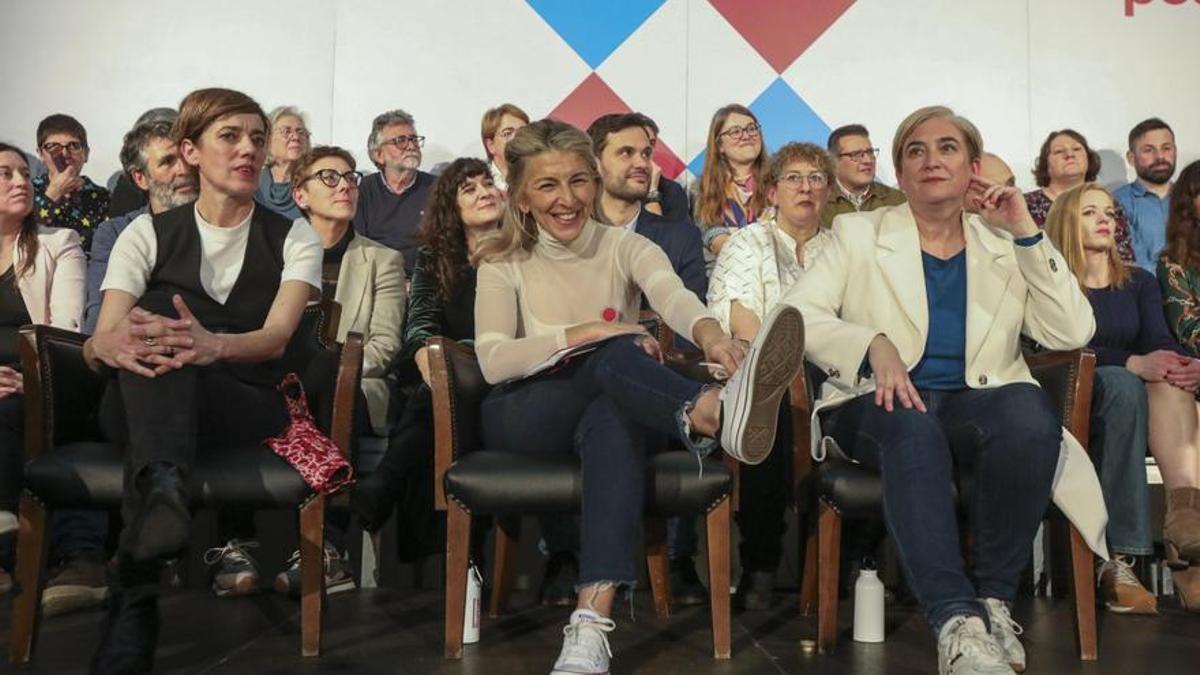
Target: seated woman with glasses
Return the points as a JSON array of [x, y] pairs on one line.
[[729, 195], [289, 140], [497, 128], [760, 262], [367, 280], [915, 313], [64, 197], [465, 207], [1142, 391], [553, 278]]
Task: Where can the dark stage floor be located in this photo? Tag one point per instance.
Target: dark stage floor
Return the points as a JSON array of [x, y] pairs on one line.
[[390, 631]]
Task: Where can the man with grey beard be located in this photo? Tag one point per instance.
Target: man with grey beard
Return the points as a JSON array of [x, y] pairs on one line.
[[151, 158]]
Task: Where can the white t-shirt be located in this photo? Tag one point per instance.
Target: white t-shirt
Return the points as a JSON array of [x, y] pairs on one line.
[[224, 249]]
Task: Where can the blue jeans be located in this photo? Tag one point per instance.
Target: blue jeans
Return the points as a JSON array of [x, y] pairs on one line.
[[1119, 424], [1007, 437], [602, 407]]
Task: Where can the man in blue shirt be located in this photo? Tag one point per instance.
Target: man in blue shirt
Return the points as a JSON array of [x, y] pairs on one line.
[[1146, 200]]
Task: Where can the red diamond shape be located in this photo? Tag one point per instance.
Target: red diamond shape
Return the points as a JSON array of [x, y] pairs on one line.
[[780, 30], [593, 98]]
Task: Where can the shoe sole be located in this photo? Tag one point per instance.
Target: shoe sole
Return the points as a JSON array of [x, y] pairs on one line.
[[244, 586], [58, 600], [9, 523], [331, 587], [773, 367]]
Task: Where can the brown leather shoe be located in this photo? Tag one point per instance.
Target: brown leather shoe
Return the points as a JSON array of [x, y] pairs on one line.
[[1122, 591], [1181, 531], [1187, 587]]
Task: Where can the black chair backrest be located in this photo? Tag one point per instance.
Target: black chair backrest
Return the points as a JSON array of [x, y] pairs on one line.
[[68, 407], [468, 389]]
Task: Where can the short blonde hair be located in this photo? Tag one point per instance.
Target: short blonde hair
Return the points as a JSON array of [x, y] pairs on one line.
[[920, 116], [1064, 230], [798, 152], [490, 124]]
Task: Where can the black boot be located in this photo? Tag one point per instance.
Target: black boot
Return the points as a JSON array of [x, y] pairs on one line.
[[129, 632], [159, 528], [754, 590], [373, 499]]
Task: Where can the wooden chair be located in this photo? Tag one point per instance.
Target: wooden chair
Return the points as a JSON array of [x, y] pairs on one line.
[[67, 467], [842, 488], [473, 481]]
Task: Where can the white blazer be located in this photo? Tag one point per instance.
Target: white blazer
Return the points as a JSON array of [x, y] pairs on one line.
[[53, 289], [871, 281], [371, 291]]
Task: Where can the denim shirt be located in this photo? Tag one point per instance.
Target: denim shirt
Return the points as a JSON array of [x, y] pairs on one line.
[[1147, 215]]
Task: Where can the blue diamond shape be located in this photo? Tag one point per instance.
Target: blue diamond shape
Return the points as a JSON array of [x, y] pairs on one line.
[[784, 117], [595, 29]]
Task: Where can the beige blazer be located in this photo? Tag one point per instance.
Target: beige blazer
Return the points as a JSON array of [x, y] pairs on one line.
[[371, 291], [53, 289], [871, 281]]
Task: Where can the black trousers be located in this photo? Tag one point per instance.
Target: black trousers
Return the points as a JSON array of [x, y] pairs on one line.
[[766, 490]]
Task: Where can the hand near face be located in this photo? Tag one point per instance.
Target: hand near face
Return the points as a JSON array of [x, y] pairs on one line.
[[64, 182], [1002, 206]]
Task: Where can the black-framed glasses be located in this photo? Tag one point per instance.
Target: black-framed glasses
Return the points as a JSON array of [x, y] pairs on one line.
[[284, 132], [331, 178], [401, 141], [859, 155], [55, 148], [795, 179], [748, 131]]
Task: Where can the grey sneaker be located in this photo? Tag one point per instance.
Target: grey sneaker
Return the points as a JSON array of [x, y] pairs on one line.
[[337, 573], [750, 400], [234, 571], [8, 522], [966, 648], [1005, 630], [585, 647]]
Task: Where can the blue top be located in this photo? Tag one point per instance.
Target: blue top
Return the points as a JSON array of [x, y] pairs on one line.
[[943, 366], [102, 246], [276, 196], [1130, 320], [1147, 215]]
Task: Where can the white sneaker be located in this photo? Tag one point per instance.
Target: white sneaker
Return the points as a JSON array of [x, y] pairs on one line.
[[750, 400], [966, 648], [1005, 630], [585, 644], [8, 522]]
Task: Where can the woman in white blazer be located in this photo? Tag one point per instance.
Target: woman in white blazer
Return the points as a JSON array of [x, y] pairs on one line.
[[41, 281], [915, 314]]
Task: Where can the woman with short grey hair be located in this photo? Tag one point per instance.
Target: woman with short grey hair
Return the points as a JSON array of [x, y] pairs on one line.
[[288, 142]]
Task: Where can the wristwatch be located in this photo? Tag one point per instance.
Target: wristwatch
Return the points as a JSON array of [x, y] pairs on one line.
[[653, 196]]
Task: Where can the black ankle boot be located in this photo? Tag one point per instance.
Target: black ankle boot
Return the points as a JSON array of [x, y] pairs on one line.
[[129, 632], [372, 499], [160, 527]]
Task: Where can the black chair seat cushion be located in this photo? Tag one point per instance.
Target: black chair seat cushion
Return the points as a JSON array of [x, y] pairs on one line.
[[856, 491], [92, 475], [493, 482]]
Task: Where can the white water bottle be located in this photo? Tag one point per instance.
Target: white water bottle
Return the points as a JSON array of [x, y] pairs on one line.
[[471, 615], [868, 605]]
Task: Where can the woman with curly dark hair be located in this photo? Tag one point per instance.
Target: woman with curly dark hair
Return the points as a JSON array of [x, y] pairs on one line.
[[1179, 278], [464, 206], [1066, 161]]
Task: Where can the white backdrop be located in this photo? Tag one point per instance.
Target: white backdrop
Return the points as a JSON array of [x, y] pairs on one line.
[[1018, 69]]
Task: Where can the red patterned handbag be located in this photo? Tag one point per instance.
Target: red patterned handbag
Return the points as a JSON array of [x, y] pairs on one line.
[[313, 454]]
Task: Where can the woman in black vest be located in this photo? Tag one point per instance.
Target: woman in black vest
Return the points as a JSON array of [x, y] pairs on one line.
[[199, 305]]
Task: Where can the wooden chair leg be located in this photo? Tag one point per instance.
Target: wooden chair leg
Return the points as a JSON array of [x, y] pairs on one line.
[[829, 550], [458, 544], [1084, 577], [719, 562], [659, 564], [31, 551], [312, 574], [808, 583], [506, 533]]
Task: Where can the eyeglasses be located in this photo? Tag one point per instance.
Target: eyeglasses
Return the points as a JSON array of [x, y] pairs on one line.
[[284, 132], [859, 155], [401, 141], [55, 148], [748, 131], [795, 180], [506, 133], [331, 178]]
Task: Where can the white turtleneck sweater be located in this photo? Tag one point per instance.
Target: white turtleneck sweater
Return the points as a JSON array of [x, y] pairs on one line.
[[525, 304]]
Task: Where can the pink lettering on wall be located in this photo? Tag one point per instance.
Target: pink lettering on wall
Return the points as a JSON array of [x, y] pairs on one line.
[[1130, 5]]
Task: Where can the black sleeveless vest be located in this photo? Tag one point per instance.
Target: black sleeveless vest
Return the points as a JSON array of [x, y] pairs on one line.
[[177, 271]]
